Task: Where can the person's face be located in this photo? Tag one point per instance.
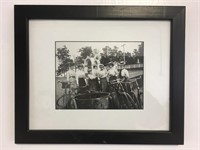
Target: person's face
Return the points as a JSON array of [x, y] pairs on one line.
[[101, 67], [72, 67], [107, 67]]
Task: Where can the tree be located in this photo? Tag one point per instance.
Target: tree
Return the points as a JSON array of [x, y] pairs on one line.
[[85, 51], [64, 60], [135, 52], [114, 51], [120, 56], [139, 54], [79, 60], [104, 60], [141, 49], [106, 51]]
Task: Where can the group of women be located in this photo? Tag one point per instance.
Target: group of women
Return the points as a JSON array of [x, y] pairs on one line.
[[95, 78]]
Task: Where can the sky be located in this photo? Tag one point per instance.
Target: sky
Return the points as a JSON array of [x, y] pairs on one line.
[[75, 46]]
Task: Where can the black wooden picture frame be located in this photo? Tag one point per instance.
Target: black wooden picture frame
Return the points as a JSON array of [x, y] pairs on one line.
[[175, 14]]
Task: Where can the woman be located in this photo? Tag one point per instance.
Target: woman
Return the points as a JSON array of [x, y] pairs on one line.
[[95, 72], [87, 64], [71, 79], [81, 78], [124, 74], [92, 80], [103, 78], [97, 62], [112, 73]]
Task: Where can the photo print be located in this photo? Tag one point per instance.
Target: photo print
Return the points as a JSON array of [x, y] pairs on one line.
[[99, 74]]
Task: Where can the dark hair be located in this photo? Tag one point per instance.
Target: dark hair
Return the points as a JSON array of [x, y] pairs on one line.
[[111, 64], [101, 66], [80, 66]]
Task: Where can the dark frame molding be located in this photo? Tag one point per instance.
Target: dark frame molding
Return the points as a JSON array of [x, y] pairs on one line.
[[176, 14]]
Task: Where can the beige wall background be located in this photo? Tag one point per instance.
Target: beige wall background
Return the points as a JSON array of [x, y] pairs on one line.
[[192, 75]]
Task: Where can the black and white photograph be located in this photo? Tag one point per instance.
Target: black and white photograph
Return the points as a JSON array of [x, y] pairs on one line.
[[99, 74]]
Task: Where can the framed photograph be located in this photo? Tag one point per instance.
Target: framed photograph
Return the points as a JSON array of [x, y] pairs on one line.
[[99, 74]]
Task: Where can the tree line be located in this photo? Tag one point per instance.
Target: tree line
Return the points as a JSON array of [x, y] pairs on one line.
[[107, 55]]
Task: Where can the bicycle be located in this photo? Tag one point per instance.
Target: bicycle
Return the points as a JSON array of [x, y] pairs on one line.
[[67, 99], [138, 87], [129, 94]]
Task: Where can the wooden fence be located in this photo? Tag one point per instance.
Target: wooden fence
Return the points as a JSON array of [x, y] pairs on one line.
[[132, 66]]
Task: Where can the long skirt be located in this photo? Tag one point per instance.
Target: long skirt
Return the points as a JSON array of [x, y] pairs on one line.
[[82, 85], [97, 84], [81, 82], [92, 84], [103, 84]]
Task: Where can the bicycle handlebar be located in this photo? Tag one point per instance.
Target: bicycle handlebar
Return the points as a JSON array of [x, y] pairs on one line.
[[121, 81]]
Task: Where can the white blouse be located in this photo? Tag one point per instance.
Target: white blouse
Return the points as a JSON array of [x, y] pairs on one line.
[[113, 72], [70, 73], [95, 72], [103, 73], [80, 74], [124, 73], [91, 76]]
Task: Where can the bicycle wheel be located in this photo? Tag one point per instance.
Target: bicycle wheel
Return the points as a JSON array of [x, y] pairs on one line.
[[126, 101], [65, 102], [141, 100], [72, 104]]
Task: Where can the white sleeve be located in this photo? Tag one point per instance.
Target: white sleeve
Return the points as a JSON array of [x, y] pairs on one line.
[[77, 74], [123, 73], [116, 72], [67, 76], [127, 74]]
